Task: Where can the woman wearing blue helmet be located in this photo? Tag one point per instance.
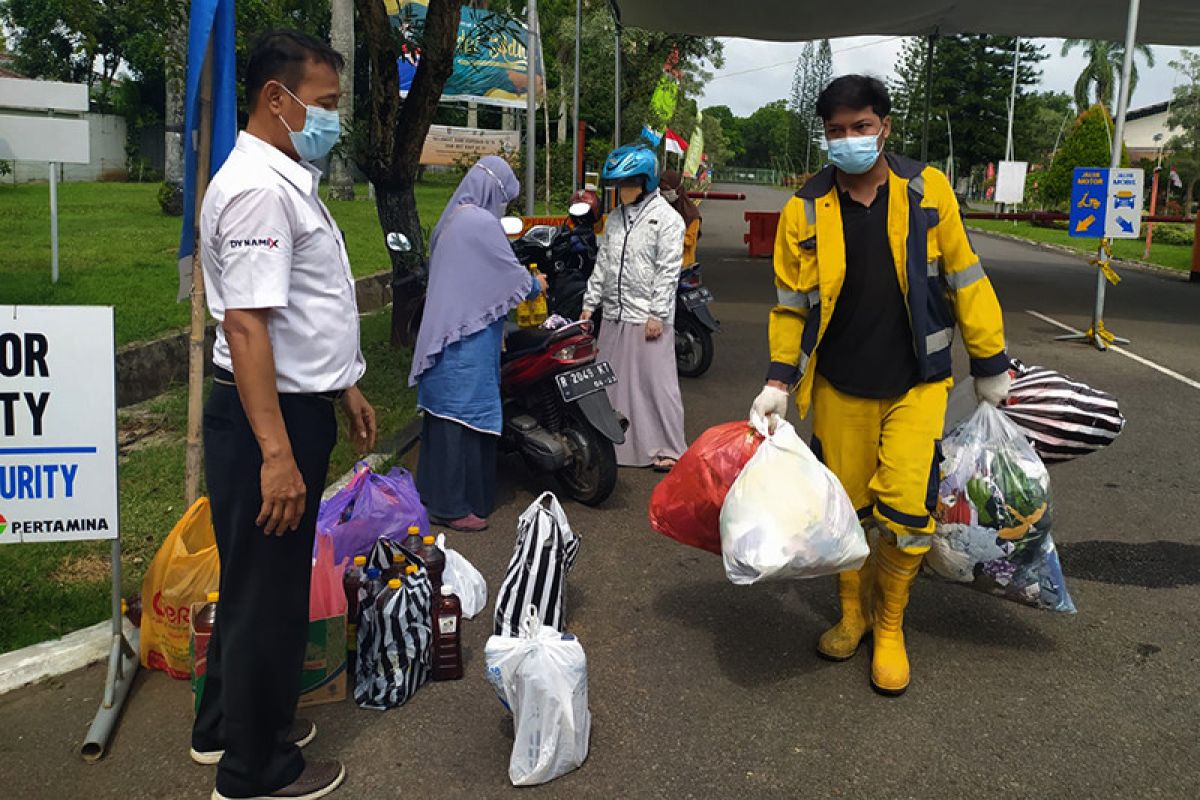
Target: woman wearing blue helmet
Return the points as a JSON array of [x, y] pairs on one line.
[[634, 282]]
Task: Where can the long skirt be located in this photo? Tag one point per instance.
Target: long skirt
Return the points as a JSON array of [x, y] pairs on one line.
[[456, 472], [647, 392]]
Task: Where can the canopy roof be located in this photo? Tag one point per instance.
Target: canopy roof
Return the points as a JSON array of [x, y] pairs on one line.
[[1171, 22]]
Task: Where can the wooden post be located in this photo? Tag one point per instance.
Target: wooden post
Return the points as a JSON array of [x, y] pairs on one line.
[[195, 454]]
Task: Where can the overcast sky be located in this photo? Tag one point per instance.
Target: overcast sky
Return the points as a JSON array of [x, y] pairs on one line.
[[757, 73]]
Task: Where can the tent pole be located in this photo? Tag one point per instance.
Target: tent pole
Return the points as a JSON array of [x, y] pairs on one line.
[[617, 90], [928, 96], [531, 62], [575, 176]]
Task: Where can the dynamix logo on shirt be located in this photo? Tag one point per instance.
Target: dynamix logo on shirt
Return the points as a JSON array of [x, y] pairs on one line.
[[268, 243]]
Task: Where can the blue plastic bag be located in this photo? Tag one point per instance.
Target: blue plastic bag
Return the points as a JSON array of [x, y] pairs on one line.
[[370, 507]]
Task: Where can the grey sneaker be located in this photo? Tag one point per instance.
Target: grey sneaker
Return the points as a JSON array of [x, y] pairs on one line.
[[303, 731], [318, 779]]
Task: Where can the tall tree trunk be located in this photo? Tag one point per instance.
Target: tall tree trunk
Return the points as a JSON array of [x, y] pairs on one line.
[[390, 152], [341, 34], [173, 121]]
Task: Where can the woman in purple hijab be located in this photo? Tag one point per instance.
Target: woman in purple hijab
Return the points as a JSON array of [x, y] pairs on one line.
[[474, 281]]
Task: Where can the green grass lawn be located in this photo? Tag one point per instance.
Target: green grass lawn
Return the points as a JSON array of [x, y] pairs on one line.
[[52, 589], [1177, 257], [116, 247]]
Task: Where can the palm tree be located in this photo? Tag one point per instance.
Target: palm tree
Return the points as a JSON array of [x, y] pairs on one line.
[[1103, 69]]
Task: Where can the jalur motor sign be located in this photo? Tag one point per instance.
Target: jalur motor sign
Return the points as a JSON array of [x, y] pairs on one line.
[[58, 443]]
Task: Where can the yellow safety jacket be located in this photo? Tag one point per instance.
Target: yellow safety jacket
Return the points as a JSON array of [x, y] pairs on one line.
[[940, 275]]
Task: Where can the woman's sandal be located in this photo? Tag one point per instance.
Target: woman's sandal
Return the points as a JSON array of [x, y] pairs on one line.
[[664, 464]]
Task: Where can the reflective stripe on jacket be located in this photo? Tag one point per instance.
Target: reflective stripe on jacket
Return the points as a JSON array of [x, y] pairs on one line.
[[940, 275]]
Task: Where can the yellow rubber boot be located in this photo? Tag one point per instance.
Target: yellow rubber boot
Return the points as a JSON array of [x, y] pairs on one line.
[[840, 642], [895, 571]]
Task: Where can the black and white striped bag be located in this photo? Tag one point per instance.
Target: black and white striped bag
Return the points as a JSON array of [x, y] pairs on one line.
[[537, 573], [395, 643], [1062, 418]]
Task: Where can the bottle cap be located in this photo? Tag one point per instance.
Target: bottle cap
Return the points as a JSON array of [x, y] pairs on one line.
[[394, 583], [213, 596], [413, 530], [360, 561], [411, 569], [398, 558], [429, 540], [372, 573], [447, 590]]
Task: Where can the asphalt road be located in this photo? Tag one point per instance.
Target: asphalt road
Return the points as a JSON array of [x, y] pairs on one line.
[[700, 689]]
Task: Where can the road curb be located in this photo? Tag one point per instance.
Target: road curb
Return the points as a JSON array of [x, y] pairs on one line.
[[56, 657], [1142, 266], [86, 646]]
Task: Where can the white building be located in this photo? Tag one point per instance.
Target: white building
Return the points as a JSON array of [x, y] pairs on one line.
[[1146, 130]]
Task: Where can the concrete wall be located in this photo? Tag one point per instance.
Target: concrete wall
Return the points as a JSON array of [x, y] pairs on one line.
[[106, 133]]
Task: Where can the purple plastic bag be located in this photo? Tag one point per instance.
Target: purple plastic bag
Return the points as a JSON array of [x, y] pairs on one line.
[[371, 506]]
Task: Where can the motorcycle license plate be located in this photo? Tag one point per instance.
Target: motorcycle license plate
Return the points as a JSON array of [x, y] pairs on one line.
[[579, 383], [696, 298]]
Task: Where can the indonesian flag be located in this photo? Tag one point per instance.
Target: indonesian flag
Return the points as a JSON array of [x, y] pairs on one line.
[[1175, 179], [675, 143]]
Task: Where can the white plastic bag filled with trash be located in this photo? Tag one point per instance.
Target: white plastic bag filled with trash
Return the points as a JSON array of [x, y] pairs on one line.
[[541, 677], [994, 515], [787, 515]]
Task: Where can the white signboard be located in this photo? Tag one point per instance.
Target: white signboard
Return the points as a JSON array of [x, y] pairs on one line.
[[58, 429], [1010, 182], [43, 95], [58, 139], [1124, 218]]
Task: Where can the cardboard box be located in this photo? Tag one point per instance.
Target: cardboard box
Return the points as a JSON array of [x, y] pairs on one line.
[[323, 678]]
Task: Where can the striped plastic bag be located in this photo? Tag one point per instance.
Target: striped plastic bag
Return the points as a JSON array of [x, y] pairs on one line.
[[395, 642], [545, 552], [1061, 417]]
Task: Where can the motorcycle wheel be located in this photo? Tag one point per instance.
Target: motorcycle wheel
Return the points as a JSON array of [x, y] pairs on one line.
[[592, 474], [693, 347]]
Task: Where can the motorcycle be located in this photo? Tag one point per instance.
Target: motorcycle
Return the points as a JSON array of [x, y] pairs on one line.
[[556, 412], [568, 267], [694, 325], [557, 415]]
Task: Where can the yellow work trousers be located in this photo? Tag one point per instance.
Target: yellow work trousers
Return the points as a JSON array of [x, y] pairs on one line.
[[886, 453]]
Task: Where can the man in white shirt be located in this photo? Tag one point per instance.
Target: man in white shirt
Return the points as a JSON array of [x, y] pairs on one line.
[[279, 285]]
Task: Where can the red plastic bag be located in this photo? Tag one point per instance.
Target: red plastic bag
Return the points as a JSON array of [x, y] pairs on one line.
[[326, 597], [686, 506]]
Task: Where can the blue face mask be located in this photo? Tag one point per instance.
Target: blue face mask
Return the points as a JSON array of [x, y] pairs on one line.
[[854, 154], [322, 129]]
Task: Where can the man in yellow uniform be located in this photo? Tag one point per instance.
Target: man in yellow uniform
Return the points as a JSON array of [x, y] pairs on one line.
[[874, 271]]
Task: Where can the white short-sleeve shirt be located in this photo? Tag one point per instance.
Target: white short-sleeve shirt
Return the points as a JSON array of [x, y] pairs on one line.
[[268, 242]]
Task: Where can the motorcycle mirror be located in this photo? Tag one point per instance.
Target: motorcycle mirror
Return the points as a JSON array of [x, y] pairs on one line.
[[398, 242], [579, 209], [541, 234], [512, 225]]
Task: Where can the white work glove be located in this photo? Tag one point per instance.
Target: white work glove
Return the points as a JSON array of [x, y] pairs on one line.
[[993, 390], [770, 401]]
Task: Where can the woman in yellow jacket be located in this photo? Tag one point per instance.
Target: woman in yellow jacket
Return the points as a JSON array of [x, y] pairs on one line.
[[874, 271], [671, 187]]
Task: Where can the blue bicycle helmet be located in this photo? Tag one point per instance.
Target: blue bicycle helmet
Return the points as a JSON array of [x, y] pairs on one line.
[[631, 160]]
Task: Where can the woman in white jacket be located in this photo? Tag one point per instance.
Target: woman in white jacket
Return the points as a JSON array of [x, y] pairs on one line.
[[634, 283]]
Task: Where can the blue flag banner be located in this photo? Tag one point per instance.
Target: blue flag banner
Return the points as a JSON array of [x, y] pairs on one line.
[[211, 20], [651, 136]]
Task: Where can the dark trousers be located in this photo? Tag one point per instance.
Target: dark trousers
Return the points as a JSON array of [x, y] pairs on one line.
[[257, 649], [456, 475]]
